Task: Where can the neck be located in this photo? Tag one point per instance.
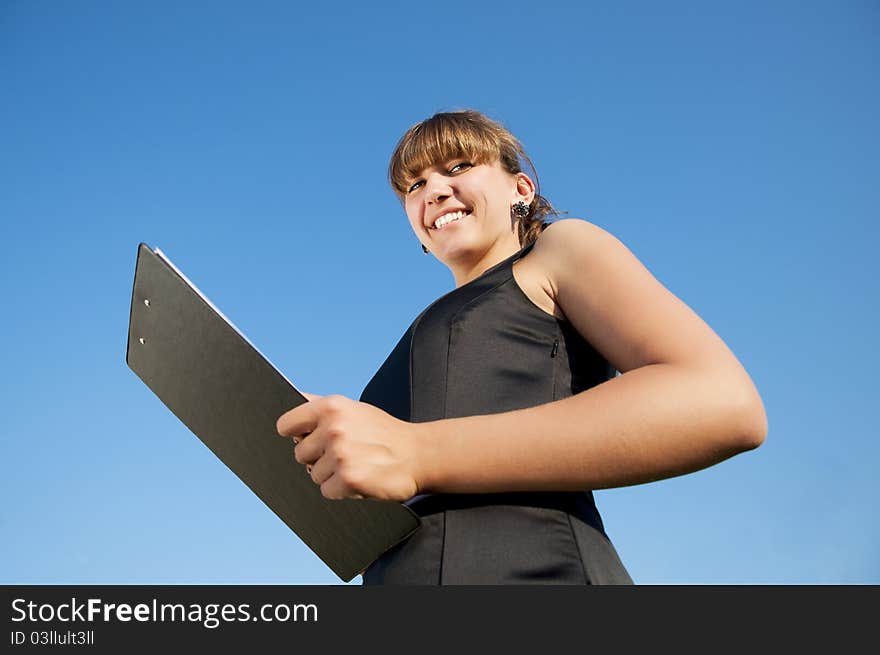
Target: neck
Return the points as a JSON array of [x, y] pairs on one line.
[[468, 269]]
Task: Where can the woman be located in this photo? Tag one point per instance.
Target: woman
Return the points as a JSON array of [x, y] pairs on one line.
[[496, 413]]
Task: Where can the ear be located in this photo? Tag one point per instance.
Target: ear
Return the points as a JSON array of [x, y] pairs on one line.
[[525, 189]]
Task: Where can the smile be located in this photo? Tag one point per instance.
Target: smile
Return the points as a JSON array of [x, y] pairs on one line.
[[449, 218]]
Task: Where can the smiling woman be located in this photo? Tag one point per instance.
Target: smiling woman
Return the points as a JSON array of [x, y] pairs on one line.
[[498, 411], [483, 159]]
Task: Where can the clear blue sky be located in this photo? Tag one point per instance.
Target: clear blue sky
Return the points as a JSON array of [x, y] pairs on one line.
[[733, 147]]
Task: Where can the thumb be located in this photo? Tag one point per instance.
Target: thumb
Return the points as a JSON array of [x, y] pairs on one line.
[[310, 396]]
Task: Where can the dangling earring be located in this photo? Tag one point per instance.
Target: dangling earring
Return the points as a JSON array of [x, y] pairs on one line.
[[424, 249], [520, 209]]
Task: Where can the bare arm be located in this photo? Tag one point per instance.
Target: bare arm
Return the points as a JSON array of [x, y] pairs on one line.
[[683, 403]]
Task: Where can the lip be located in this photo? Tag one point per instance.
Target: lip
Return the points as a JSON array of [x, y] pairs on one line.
[[430, 225]]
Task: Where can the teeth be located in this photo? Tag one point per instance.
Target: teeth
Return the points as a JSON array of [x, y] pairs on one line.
[[448, 218]]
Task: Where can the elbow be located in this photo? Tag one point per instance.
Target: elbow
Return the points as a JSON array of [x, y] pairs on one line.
[[750, 420], [739, 419], [740, 422], [752, 440]]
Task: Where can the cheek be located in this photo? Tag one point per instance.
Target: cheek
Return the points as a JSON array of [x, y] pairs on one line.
[[415, 218]]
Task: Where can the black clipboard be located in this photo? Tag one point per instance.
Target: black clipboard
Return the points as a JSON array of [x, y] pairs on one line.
[[230, 396]]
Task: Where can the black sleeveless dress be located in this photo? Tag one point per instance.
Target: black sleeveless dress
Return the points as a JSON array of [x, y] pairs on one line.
[[486, 348]]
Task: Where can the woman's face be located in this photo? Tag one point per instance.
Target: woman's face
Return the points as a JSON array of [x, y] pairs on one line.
[[479, 196]]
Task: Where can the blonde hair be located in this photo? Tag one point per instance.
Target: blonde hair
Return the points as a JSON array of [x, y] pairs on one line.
[[470, 134]]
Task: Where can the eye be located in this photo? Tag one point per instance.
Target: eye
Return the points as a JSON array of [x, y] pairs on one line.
[[461, 166], [414, 186]]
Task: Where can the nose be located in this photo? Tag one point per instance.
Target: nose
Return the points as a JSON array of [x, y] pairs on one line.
[[438, 188]]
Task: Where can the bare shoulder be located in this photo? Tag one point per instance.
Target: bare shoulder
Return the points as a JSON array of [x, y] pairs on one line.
[[537, 273], [570, 237], [566, 247], [617, 304]]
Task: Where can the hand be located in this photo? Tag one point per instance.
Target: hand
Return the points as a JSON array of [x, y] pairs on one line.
[[353, 449]]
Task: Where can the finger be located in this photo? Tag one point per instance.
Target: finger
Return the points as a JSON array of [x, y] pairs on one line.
[[320, 470], [300, 437], [310, 396], [310, 450], [299, 420], [333, 488]]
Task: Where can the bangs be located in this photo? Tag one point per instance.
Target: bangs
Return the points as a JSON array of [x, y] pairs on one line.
[[438, 139]]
